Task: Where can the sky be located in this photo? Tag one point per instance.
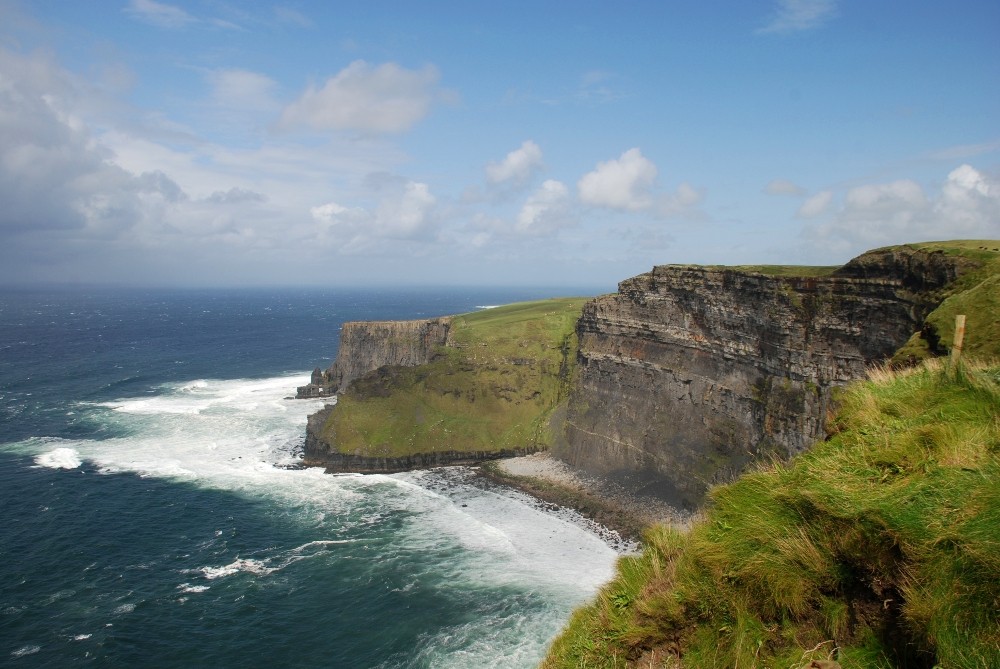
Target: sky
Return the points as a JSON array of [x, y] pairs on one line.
[[522, 143]]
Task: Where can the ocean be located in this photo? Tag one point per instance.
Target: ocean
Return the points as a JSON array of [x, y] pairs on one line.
[[153, 514]]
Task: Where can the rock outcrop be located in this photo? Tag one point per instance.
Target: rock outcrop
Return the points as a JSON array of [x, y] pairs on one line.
[[689, 374], [367, 345]]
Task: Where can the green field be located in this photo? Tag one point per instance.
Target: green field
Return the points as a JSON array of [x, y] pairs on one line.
[[494, 388]]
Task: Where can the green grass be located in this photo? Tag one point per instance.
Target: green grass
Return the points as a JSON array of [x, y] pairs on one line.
[[878, 548], [787, 270], [495, 387], [976, 294]]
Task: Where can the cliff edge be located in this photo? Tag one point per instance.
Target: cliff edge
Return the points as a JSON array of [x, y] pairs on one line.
[[455, 390], [367, 345], [689, 374]]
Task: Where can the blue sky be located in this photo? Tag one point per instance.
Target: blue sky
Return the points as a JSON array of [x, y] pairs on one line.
[[209, 142]]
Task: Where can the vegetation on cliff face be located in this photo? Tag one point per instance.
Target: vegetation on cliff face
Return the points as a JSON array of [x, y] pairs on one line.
[[976, 294], [877, 548], [494, 386]]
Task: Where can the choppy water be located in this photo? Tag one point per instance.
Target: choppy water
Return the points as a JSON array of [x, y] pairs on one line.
[[152, 515]]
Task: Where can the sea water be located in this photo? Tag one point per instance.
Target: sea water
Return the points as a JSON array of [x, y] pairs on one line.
[[153, 513]]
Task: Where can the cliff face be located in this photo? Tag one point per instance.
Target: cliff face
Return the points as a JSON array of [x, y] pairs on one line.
[[367, 345], [464, 389], [688, 374]]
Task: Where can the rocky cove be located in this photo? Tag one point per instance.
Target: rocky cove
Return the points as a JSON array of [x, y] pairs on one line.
[[682, 379]]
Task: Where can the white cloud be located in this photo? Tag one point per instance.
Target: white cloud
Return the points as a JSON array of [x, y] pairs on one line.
[[518, 166], [783, 187], [378, 99], [967, 206], [159, 14], [545, 211], [624, 183], [242, 89], [815, 205], [798, 15], [405, 212], [682, 202]]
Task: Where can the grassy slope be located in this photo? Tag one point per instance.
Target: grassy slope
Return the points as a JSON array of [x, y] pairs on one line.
[[882, 543], [494, 389], [787, 565]]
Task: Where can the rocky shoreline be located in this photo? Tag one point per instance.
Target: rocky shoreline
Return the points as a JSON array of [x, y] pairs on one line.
[[603, 501]]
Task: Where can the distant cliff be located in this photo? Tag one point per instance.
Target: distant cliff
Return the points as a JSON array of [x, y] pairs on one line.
[[688, 374], [458, 390], [367, 345], [682, 379]]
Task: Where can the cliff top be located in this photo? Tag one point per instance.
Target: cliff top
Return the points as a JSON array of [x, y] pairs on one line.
[[493, 387]]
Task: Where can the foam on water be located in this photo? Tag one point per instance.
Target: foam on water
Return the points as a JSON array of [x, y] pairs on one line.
[[59, 458], [243, 435]]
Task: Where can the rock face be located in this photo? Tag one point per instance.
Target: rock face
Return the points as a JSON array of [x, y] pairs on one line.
[[689, 374], [367, 345]]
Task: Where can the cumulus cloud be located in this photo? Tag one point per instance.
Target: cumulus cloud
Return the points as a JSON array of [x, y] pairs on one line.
[[682, 202], [798, 15], [52, 174], [967, 205], [624, 183], [815, 205], [375, 99], [404, 212], [546, 210], [518, 166], [783, 187], [159, 14]]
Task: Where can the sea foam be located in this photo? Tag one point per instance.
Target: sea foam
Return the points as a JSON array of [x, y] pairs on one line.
[[60, 458]]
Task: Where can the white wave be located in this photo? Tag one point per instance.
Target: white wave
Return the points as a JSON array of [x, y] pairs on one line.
[[60, 458], [25, 650], [256, 567], [187, 587], [81, 637], [243, 435]]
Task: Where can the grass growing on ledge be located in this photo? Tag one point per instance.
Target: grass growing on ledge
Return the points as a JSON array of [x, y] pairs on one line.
[[878, 548], [787, 270], [493, 388]]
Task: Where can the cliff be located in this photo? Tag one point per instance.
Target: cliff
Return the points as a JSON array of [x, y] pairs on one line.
[[682, 379], [367, 345], [689, 374], [449, 391], [875, 548]]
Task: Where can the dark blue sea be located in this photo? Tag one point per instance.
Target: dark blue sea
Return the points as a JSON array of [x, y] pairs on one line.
[[152, 515]]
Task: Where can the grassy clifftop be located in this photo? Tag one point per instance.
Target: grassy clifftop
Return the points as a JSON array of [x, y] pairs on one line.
[[878, 548], [493, 387]]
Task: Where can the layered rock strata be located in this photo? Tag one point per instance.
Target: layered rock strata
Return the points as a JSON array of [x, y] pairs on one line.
[[367, 345], [689, 374]]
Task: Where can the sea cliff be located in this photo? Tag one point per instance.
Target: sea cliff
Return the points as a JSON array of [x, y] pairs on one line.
[[367, 345], [682, 379], [456, 390]]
